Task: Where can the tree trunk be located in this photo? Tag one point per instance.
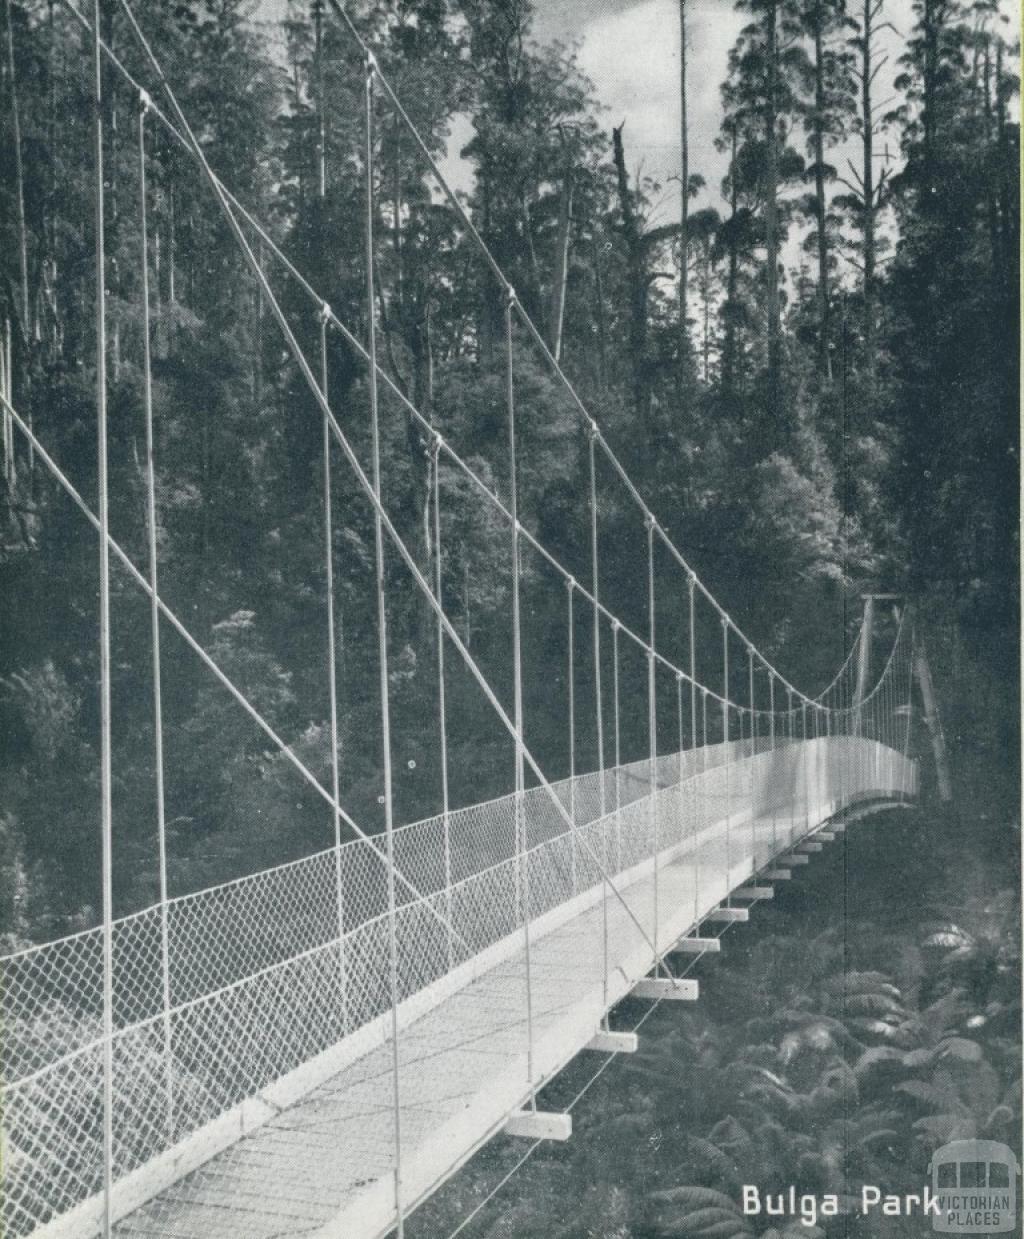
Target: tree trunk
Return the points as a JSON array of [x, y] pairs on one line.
[[561, 260], [111, 168], [637, 283], [706, 298], [602, 327], [488, 327], [684, 214], [771, 219], [1009, 201], [870, 11], [821, 212], [257, 376], [171, 290], [19, 182], [732, 278], [992, 163], [530, 297], [930, 22], [321, 111]]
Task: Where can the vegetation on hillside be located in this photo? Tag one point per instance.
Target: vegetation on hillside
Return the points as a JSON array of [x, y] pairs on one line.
[[809, 434], [828, 1051]]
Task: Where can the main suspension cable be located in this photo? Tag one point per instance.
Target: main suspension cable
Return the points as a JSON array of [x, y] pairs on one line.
[[364, 482], [154, 623], [463, 215], [106, 809], [353, 342]]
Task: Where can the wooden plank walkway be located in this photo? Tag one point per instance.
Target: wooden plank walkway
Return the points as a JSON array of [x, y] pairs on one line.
[[325, 1166]]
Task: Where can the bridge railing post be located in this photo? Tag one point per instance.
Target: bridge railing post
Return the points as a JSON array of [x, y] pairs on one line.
[[106, 780], [523, 850], [806, 766], [726, 751], [652, 724], [618, 746], [769, 782], [680, 761], [369, 76], [442, 708], [752, 706], [571, 674]]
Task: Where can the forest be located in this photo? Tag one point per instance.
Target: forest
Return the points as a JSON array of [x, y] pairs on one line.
[[807, 434], [813, 383], [825, 1053]]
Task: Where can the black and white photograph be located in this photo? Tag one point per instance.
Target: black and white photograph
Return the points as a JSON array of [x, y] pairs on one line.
[[510, 698]]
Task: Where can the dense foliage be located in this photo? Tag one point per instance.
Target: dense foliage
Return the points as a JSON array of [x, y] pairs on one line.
[[827, 1052], [803, 438]]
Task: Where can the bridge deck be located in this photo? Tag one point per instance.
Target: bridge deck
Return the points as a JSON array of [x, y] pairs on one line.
[[325, 1165], [280, 1042]]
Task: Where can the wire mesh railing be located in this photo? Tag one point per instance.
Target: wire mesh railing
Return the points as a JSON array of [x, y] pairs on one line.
[[261, 983], [125, 1044]]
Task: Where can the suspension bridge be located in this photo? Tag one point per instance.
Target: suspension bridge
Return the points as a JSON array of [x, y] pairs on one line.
[[314, 1048]]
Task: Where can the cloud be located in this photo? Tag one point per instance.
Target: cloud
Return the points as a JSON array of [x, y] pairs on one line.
[[631, 52]]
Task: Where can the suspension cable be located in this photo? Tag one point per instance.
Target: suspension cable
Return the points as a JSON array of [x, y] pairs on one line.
[[332, 680], [403, 550], [725, 741], [522, 858], [753, 747], [595, 593], [286, 751], [106, 810], [442, 711], [154, 624], [463, 215], [806, 764], [680, 733], [382, 634], [618, 743], [652, 719], [211, 665], [699, 797], [571, 674], [355, 344], [595, 587], [910, 691], [7, 388], [336, 324], [771, 742], [365, 484]]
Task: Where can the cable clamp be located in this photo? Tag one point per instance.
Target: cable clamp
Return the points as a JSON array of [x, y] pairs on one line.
[[691, 576], [434, 447], [370, 63], [592, 431], [326, 313], [616, 626], [650, 524], [510, 295], [145, 101], [570, 584], [726, 621], [679, 677]]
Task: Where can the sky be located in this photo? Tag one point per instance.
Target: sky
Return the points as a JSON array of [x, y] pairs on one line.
[[630, 51]]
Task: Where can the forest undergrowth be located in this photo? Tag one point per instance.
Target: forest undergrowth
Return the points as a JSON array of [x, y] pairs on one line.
[[866, 1016]]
